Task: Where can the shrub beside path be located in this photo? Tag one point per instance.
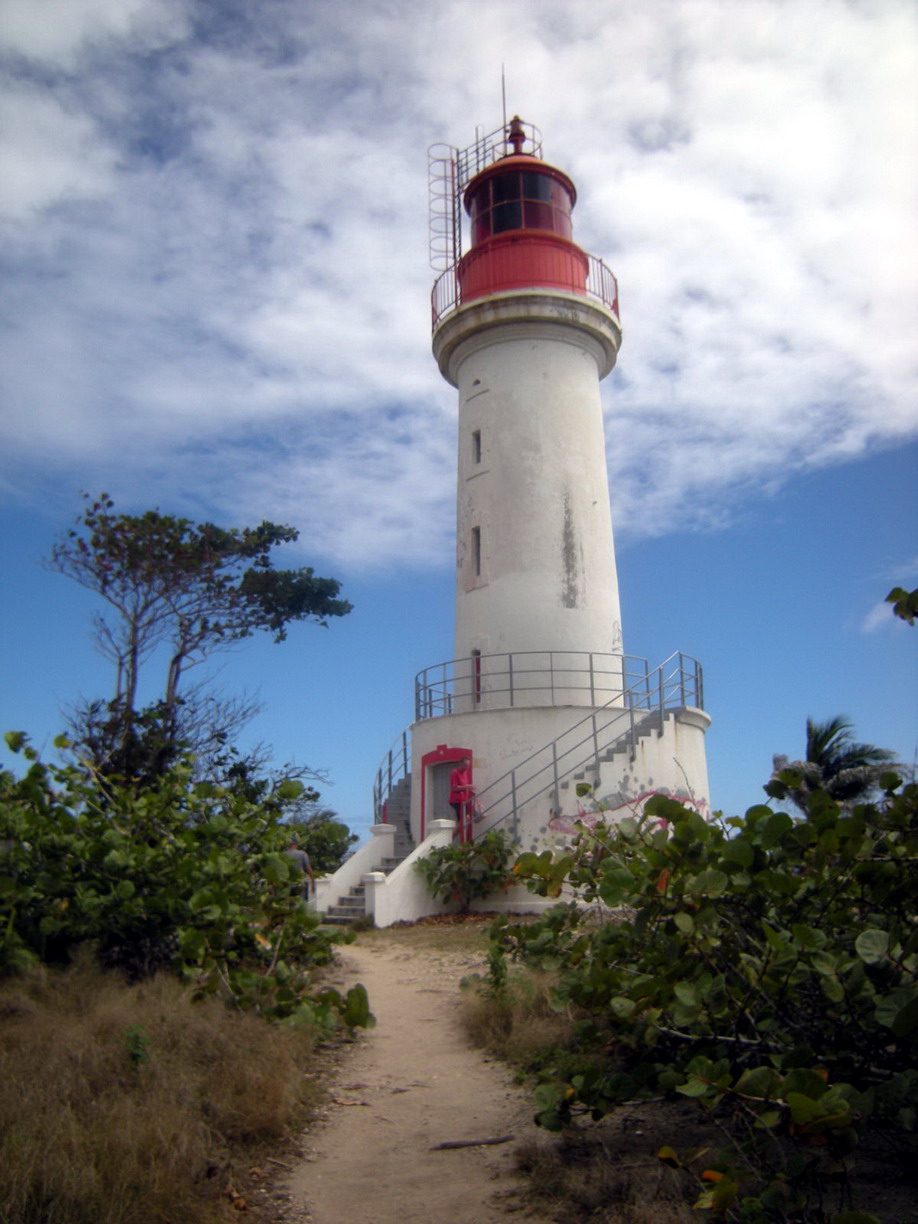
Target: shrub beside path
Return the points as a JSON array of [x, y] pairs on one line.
[[409, 1085]]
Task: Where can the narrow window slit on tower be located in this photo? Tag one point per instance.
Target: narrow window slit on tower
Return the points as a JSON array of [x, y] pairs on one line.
[[476, 550], [476, 446]]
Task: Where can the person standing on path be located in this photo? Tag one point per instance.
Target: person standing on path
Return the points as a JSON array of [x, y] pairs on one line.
[[301, 862]]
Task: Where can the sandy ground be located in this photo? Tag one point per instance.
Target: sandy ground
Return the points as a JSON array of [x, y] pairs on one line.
[[412, 1083]]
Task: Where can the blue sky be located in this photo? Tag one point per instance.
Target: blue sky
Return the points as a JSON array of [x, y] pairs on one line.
[[215, 300]]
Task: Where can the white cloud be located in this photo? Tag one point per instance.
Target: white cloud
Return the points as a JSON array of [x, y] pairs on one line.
[[57, 32], [49, 155], [217, 282]]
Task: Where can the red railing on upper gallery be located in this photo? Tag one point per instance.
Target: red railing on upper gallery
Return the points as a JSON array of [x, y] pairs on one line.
[[601, 286]]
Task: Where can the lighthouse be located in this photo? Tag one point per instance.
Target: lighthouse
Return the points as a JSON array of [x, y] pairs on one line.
[[559, 723], [560, 726]]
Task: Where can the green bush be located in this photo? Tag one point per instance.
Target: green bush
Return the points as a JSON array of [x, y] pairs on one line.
[[764, 966], [180, 873], [469, 871]]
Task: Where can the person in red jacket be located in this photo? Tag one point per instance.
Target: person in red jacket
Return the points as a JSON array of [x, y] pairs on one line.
[[461, 794]]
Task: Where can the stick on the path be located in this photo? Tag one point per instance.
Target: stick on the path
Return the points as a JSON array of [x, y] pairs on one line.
[[462, 1143]]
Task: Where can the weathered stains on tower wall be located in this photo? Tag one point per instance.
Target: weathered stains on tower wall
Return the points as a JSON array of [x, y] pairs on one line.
[[571, 559]]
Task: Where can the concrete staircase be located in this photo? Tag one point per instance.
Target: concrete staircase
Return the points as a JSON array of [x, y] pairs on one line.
[[349, 908], [591, 773]]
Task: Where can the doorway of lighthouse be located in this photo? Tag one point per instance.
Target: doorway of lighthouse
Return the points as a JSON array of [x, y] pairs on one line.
[[439, 777], [437, 767]]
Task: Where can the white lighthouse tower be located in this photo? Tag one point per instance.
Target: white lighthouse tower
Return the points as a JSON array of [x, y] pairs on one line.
[[558, 723], [539, 695]]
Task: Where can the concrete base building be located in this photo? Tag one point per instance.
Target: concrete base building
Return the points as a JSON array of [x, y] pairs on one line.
[[559, 724]]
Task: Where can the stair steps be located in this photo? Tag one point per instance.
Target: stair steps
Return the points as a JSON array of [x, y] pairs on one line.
[[348, 909], [591, 773]]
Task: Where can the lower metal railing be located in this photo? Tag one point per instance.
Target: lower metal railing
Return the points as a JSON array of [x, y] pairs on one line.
[[639, 695], [530, 677]]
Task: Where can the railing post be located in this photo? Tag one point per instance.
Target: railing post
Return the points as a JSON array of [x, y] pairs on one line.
[[510, 678], [465, 823]]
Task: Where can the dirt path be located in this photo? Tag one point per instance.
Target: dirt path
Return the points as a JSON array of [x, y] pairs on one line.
[[409, 1084]]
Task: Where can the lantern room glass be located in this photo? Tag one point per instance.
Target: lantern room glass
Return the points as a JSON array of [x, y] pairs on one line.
[[519, 199]]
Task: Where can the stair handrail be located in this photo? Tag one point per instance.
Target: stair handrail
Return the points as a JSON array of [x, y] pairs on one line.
[[395, 765], [649, 700]]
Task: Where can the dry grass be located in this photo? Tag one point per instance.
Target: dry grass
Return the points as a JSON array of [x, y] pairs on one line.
[[516, 1023], [586, 1183], [129, 1104]]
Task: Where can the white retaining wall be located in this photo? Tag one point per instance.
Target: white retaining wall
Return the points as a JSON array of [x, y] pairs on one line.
[[402, 895], [365, 858]]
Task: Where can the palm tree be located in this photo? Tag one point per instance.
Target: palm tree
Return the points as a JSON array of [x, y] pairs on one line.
[[836, 763]]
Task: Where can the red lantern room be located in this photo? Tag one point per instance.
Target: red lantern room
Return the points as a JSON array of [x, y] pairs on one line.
[[520, 210], [519, 192], [520, 224]]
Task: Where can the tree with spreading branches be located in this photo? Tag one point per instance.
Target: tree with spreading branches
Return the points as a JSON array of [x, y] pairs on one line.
[[176, 592]]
